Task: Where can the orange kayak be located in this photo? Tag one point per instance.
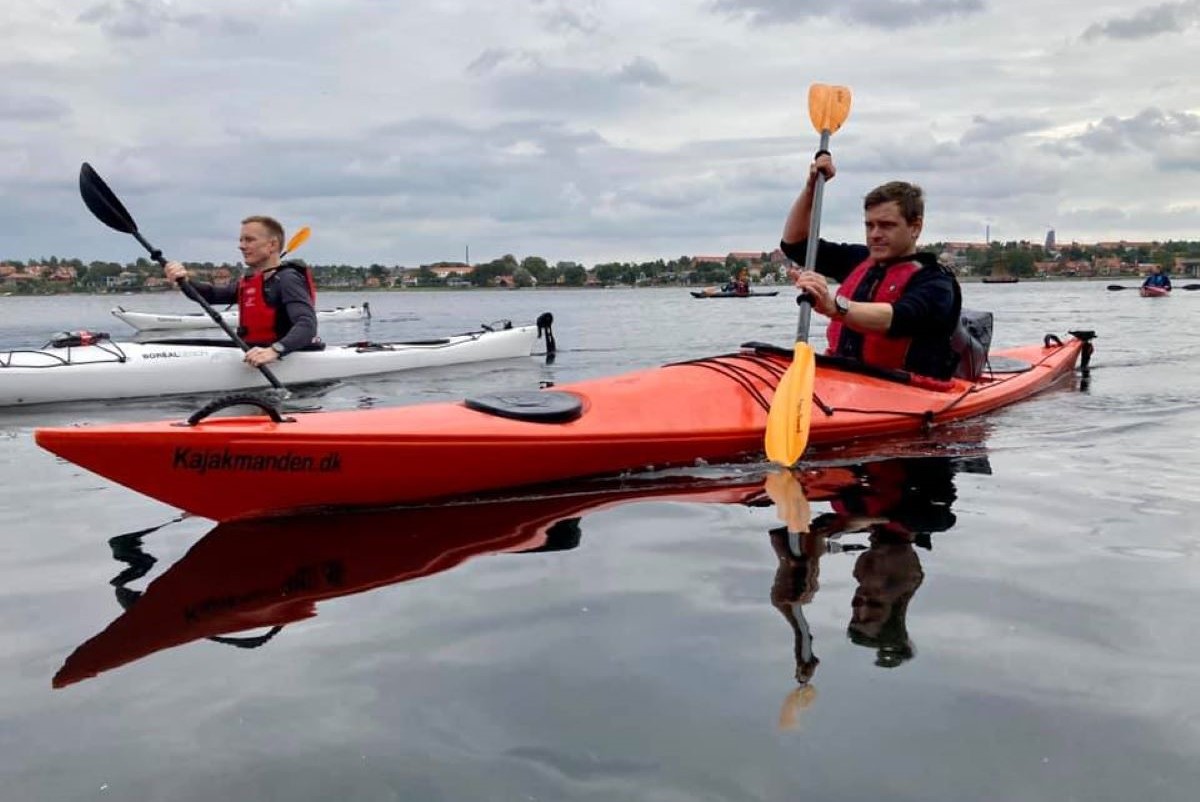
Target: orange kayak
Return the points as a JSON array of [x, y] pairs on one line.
[[705, 409]]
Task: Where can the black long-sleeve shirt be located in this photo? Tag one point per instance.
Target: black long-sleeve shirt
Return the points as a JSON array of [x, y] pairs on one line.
[[287, 292], [928, 311]]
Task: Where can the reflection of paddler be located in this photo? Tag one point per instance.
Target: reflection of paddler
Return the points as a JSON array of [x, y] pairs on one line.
[[888, 574], [899, 502]]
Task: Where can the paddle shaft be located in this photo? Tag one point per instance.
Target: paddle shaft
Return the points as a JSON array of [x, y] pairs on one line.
[[810, 249]]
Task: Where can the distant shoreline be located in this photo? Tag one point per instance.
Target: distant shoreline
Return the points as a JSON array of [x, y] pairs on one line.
[[557, 287]]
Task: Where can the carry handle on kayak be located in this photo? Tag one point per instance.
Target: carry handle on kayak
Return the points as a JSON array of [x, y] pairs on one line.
[[109, 210], [236, 400]]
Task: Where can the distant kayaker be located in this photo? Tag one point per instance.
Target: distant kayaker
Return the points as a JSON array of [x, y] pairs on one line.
[[276, 300], [739, 284], [895, 308], [1157, 278]]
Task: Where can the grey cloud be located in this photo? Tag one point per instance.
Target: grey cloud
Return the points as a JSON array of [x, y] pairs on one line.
[[985, 129], [496, 58], [874, 13], [30, 108], [1151, 130], [569, 16], [643, 72], [531, 85], [142, 19], [1148, 22]]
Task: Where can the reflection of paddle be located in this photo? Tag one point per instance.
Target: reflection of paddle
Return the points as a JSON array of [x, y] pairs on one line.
[[1126, 287], [791, 408], [109, 210], [791, 505]]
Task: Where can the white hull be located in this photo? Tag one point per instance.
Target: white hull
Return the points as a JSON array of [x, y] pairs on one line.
[[110, 370], [191, 321]]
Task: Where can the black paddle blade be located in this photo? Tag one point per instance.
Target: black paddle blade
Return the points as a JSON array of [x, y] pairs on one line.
[[1116, 287], [102, 202]]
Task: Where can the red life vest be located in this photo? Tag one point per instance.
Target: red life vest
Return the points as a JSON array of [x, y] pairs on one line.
[[878, 349], [259, 323]]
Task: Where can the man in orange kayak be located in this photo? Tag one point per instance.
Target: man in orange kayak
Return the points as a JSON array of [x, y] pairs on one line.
[[276, 300], [895, 308]]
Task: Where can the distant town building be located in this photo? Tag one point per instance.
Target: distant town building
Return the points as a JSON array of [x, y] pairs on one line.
[[1050, 240]]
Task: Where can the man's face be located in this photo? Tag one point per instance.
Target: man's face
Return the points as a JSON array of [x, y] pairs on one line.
[[889, 235], [257, 245]]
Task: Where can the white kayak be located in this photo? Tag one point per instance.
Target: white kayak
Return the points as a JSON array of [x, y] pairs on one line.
[[155, 321], [107, 369]]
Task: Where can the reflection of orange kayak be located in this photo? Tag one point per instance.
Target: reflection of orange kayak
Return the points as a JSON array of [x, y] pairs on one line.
[[271, 573], [711, 409]]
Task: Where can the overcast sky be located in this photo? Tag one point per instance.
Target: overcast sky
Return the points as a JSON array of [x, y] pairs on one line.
[[591, 130]]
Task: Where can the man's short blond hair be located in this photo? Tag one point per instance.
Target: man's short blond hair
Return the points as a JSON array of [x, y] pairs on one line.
[[273, 226]]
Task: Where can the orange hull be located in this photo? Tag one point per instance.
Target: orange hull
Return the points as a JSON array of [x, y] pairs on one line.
[[713, 409]]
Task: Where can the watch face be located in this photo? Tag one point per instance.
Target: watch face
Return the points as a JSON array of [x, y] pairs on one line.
[[842, 303]]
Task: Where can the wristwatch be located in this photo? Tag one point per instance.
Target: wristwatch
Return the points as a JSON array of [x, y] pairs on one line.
[[841, 305], [277, 347]]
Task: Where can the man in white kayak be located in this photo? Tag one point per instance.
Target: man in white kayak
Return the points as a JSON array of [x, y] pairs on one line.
[[276, 300]]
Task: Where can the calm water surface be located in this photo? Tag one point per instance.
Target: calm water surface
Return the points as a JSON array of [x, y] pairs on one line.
[[1004, 611]]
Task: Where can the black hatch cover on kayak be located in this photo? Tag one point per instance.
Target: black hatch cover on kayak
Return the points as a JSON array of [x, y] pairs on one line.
[[535, 406]]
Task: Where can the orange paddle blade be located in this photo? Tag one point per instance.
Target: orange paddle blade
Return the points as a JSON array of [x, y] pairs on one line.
[[828, 106], [791, 409], [298, 239]]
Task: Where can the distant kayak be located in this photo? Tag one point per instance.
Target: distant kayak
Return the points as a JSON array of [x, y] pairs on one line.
[[1154, 292], [725, 294], [191, 321], [84, 367]]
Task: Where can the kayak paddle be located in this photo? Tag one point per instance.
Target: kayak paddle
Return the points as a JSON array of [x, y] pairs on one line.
[[1125, 287], [791, 408], [298, 239], [109, 210]]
